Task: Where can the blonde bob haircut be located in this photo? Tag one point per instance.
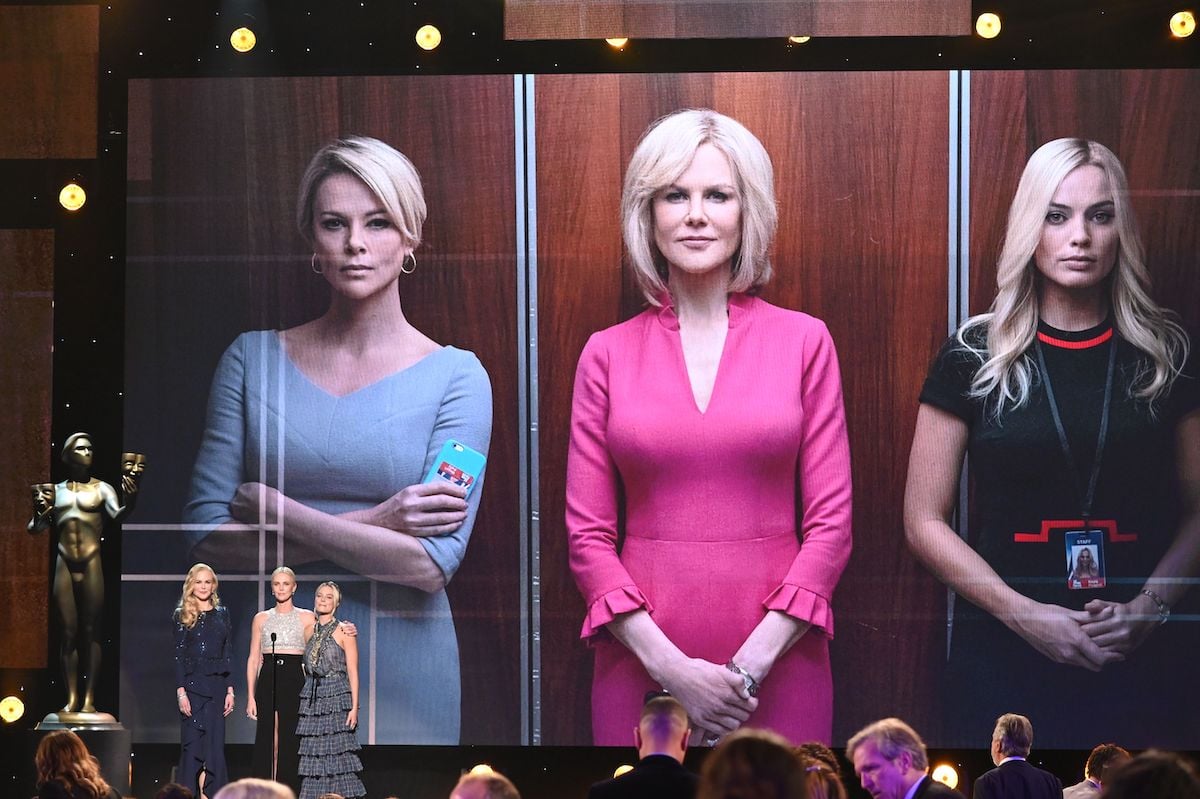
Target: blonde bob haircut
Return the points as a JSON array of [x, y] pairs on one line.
[[384, 170], [663, 154], [1010, 325]]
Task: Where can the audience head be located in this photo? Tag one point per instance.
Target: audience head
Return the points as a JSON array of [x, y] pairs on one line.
[[331, 795], [752, 764], [663, 728], [888, 757], [820, 753], [173, 790], [254, 788], [1161, 775], [485, 785], [821, 781], [1101, 759], [62, 757], [1012, 737]]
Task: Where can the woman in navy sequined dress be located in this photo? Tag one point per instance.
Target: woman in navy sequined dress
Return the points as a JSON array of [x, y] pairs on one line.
[[329, 705], [203, 674]]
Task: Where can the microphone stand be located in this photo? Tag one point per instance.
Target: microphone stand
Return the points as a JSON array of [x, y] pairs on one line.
[[274, 711]]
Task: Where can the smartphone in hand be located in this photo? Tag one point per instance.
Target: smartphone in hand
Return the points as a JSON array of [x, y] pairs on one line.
[[458, 464]]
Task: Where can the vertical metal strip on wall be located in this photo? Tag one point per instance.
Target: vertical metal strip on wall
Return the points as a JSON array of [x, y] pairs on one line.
[[959, 261], [535, 550], [527, 401]]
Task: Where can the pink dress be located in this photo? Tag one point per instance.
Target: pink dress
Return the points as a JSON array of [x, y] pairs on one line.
[[712, 502]]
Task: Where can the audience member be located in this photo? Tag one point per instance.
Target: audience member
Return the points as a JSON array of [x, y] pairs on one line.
[[1013, 775], [661, 738], [173, 790], [255, 788], [1152, 775], [1102, 758], [67, 770], [815, 750], [821, 781], [890, 761], [752, 764], [488, 785]]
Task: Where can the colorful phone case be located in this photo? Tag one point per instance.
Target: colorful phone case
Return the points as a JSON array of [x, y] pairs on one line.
[[457, 463]]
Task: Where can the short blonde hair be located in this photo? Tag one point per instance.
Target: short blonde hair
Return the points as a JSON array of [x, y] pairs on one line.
[[663, 154], [255, 788], [384, 170]]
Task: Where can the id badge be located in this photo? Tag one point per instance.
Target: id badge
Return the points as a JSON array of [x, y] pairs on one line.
[[1085, 559]]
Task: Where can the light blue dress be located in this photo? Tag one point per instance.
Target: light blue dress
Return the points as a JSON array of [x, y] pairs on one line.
[[268, 423]]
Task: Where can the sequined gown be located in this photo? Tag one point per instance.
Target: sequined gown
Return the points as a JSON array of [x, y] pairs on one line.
[[202, 668], [328, 759]]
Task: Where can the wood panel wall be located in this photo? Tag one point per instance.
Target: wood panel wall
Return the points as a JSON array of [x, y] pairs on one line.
[[861, 174], [717, 19], [26, 372], [1146, 117], [49, 61], [213, 251]]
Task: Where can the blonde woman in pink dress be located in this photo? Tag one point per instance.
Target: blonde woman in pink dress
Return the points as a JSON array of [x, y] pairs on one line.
[[715, 422]]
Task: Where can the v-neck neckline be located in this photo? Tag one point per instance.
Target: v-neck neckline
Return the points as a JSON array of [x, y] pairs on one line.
[[283, 352], [738, 306]]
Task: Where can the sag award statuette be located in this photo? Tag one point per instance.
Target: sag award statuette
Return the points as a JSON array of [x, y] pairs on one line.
[[76, 509]]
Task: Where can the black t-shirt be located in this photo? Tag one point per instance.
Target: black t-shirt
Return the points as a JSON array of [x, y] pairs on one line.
[[1023, 486], [1023, 498]]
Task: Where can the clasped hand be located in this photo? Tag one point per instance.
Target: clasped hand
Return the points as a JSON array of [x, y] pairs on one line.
[[425, 509], [714, 697], [1100, 634]]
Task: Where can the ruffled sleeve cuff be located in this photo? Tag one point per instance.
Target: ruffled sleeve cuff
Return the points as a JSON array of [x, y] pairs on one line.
[[608, 606], [802, 604]]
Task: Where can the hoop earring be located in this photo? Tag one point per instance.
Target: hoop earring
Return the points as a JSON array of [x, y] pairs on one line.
[[313, 264], [412, 268]]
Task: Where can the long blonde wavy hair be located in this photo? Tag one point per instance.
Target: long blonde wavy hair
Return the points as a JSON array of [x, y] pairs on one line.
[[188, 609], [1005, 373]]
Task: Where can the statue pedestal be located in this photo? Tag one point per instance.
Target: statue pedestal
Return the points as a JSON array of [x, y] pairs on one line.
[[104, 737]]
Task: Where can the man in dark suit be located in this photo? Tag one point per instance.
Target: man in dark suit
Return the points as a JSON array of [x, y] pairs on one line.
[[890, 761], [1013, 775], [661, 738]]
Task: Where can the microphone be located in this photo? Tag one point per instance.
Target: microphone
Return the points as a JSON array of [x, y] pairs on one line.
[[272, 637]]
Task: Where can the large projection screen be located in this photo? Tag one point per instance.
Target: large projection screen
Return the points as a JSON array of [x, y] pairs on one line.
[[893, 190]]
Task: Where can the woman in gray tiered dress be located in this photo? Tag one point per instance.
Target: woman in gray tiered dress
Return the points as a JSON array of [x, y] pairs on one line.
[[329, 706]]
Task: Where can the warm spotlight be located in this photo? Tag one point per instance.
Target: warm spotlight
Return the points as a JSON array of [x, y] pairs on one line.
[[11, 709], [988, 25], [617, 43], [946, 774], [798, 39], [1183, 24], [72, 197], [622, 769], [482, 768], [243, 40], [428, 37]]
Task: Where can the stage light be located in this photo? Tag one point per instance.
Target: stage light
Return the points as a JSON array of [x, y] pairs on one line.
[[243, 40], [11, 709], [482, 769], [988, 25], [798, 39], [624, 768], [617, 43], [1183, 24], [428, 37], [72, 197], [946, 774]]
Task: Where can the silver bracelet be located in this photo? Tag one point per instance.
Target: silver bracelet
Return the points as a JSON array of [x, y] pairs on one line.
[[752, 685], [1164, 610]]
